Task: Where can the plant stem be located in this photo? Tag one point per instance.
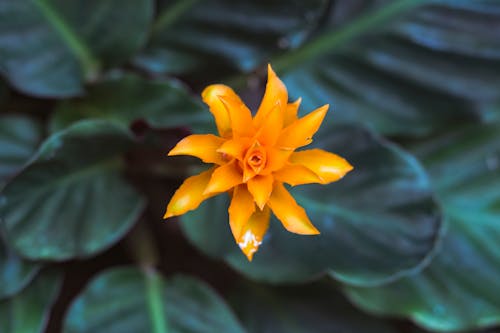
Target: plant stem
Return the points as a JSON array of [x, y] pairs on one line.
[[142, 246], [154, 292], [335, 38], [172, 13]]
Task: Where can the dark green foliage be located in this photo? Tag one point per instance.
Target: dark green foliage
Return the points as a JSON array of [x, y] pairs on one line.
[[94, 93], [114, 302], [349, 218], [28, 312]]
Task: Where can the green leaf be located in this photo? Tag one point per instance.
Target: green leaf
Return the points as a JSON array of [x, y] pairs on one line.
[[15, 273], [28, 312], [124, 99], [214, 35], [376, 224], [459, 290], [65, 42], [19, 138], [404, 67], [317, 308], [116, 301], [71, 200]]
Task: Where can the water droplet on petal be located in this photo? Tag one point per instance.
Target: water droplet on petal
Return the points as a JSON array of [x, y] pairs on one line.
[[249, 244]]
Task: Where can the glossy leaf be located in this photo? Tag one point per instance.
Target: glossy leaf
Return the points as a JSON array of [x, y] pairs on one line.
[[71, 200], [15, 273], [124, 99], [28, 311], [403, 67], [317, 308], [376, 224], [116, 301], [19, 138], [459, 290], [191, 35], [49, 47]]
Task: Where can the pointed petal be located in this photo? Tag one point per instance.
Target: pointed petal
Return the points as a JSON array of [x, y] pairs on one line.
[[203, 146], [240, 116], [292, 216], [189, 195], [235, 147], [224, 178], [300, 133], [248, 173], [211, 97], [276, 159], [270, 130], [294, 174], [253, 232], [327, 166], [261, 188], [292, 110], [275, 94], [240, 210]]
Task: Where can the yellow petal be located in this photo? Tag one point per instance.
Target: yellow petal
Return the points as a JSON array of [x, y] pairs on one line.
[[292, 110], [224, 178], [241, 208], [203, 146], [240, 116], [261, 188], [292, 216], [253, 232], [294, 174], [270, 130], [327, 166], [210, 96], [276, 159], [189, 195], [235, 147], [300, 132], [275, 95]]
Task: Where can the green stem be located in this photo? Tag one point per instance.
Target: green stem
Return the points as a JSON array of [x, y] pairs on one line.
[[172, 13], [142, 246], [333, 39], [89, 64], [154, 293]]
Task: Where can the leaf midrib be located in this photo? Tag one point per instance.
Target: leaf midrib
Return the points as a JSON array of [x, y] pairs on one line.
[[334, 39], [90, 65], [105, 165]]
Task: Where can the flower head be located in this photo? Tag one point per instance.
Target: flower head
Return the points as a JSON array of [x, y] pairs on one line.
[[253, 158]]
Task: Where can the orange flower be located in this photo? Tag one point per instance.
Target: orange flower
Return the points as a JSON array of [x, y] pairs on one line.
[[253, 158]]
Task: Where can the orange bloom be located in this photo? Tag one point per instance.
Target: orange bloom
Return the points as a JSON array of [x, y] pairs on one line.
[[253, 158]]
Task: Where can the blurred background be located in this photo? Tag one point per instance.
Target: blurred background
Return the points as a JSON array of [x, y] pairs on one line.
[[94, 93]]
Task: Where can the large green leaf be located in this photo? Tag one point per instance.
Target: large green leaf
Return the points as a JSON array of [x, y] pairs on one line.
[[123, 99], [49, 47], [127, 300], [28, 312], [317, 308], [460, 288], [71, 200], [15, 273], [214, 35], [19, 138], [376, 224], [403, 67]]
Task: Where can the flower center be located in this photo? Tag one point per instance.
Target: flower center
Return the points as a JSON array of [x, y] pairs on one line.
[[255, 158]]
